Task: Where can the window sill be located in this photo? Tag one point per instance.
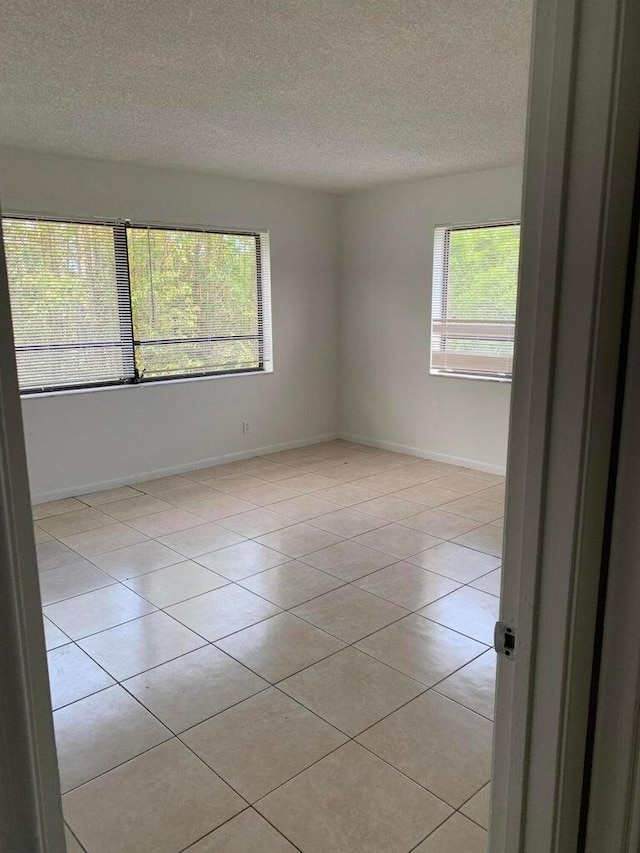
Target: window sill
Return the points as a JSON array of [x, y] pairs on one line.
[[158, 383], [443, 374]]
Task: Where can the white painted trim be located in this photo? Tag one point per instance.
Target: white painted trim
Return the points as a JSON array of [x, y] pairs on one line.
[[143, 387], [426, 454], [86, 488], [420, 453], [580, 174], [30, 803]]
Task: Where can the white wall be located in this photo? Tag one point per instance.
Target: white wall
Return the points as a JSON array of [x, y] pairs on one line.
[[350, 343], [388, 395], [86, 439]]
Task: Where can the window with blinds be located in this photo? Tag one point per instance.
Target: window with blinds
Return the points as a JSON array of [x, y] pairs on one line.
[[70, 306], [107, 303], [197, 303], [475, 281]]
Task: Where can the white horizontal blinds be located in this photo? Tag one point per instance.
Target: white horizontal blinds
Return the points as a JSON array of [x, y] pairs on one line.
[[67, 304], [475, 280], [197, 302]]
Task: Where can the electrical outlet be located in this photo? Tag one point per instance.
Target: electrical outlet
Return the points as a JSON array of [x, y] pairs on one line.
[[245, 427]]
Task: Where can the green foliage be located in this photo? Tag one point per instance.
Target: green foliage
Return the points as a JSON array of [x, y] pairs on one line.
[[482, 283], [187, 284], [483, 273], [61, 281], [61, 287]]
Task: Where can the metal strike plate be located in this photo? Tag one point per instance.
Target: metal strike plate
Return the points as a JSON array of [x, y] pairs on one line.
[[504, 640]]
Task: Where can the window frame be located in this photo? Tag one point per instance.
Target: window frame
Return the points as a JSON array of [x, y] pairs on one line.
[[439, 288], [125, 309]]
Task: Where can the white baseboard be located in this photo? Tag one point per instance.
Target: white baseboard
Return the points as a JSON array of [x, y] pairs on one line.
[[426, 454], [86, 488]]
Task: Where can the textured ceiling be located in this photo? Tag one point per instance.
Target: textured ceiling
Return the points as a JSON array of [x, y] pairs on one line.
[[330, 93]]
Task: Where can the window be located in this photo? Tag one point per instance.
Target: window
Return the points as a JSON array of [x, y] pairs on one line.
[[475, 279], [67, 303], [112, 303]]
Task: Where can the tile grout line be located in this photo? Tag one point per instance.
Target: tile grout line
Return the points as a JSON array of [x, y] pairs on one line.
[[287, 610], [303, 493], [214, 642], [404, 464], [122, 582], [266, 618], [385, 523], [275, 685], [350, 739]]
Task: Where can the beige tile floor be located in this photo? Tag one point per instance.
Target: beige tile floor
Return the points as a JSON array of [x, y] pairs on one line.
[[284, 653]]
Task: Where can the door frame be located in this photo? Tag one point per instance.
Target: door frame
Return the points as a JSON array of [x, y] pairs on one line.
[[577, 213], [612, 819], [580, 169], [30, 802]]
